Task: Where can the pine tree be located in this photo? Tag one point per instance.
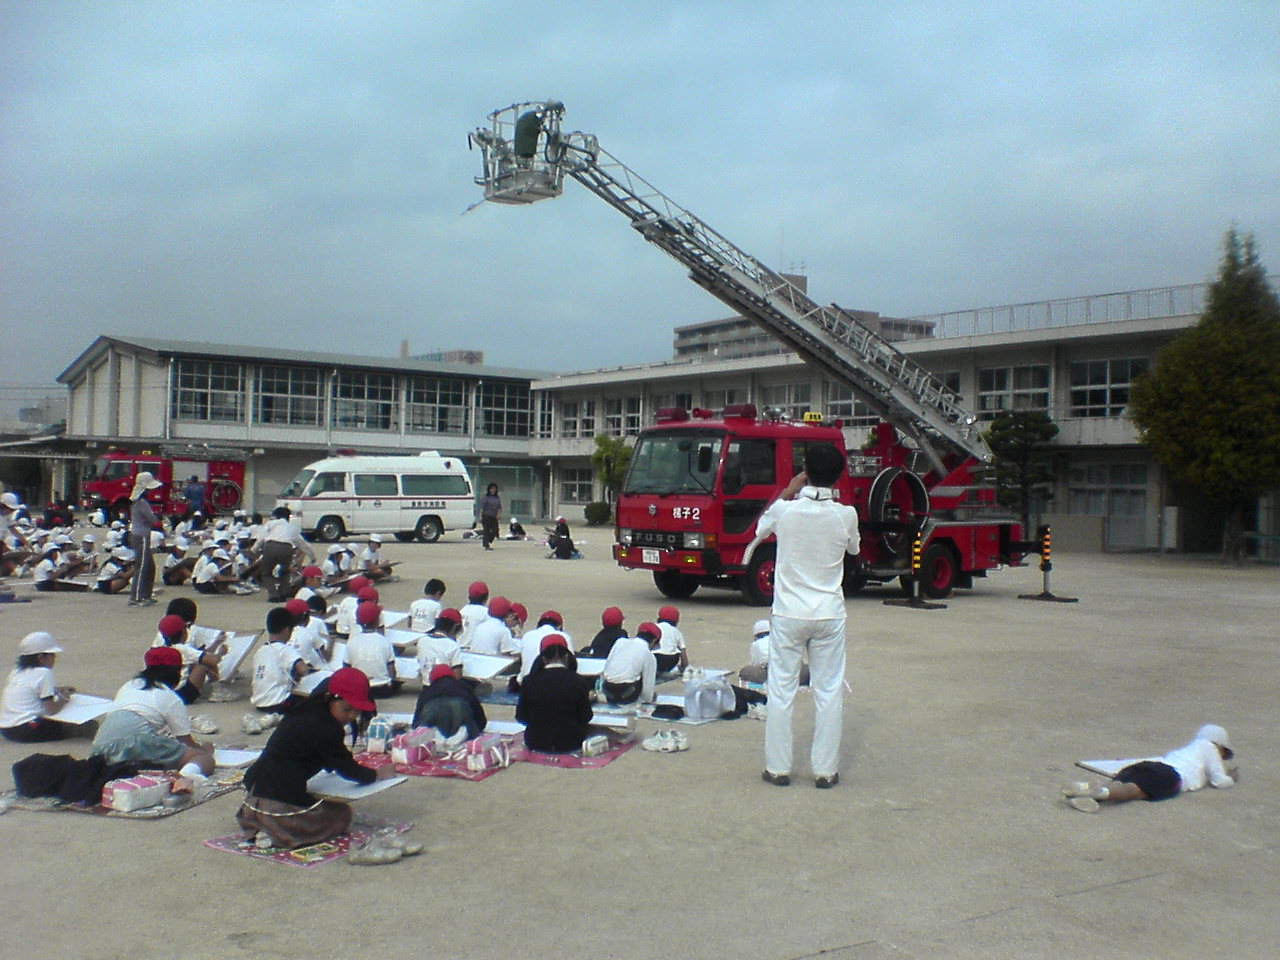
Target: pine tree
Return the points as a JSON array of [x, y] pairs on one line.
[[1019, 440], [1210, 407]]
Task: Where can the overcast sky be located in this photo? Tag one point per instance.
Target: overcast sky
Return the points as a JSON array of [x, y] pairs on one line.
[[296, 174]]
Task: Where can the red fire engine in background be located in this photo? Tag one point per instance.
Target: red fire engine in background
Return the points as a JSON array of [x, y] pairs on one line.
[[108, 480]]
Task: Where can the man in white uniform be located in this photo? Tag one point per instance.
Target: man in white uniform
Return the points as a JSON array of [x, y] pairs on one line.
[[814, 533]]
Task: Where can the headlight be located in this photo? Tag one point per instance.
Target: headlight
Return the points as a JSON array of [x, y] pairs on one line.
[[693, 541], [625, 537]]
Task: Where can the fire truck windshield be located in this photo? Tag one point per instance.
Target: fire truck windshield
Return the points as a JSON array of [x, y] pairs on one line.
[[678, 461]]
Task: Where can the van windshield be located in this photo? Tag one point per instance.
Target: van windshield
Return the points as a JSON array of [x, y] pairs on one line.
[[682, 461], [298, 484]]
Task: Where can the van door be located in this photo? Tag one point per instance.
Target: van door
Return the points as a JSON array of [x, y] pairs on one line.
[[377, 503], [326, 496]]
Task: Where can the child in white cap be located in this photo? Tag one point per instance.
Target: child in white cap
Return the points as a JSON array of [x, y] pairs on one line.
[[31, 698], [1208, 759], [114, 575], [370, 562]]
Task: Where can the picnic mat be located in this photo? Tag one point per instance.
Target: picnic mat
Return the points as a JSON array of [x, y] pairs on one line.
[[363, 827], [519, 754], [430, 768], [570, 761], [500, 695], [221, 782]]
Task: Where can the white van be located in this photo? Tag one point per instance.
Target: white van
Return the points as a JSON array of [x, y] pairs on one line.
[[414, 497]]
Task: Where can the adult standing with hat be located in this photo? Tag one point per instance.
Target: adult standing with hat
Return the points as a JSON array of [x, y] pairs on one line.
[[142, 520]]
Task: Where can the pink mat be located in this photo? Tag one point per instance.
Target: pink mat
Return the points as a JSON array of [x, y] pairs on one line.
[[363, 827], [569, 761], [430, 768], [222, 782]]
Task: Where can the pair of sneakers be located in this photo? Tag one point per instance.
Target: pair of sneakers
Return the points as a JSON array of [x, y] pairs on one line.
[[383, 849], [666, 741], [1083, 797]]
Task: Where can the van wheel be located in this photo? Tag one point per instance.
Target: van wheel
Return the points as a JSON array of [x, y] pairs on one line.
[[674, 584], [329, 529], [757, 582], [404, 536], [428, 529]]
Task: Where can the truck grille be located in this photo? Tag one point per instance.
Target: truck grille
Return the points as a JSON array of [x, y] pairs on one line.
[[667, 539]]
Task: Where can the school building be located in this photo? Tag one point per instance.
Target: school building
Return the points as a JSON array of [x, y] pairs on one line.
[[533, 432]]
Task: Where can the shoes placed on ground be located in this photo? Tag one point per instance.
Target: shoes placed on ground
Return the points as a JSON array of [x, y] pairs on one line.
[[204, 724], [407, 848], [758, 711], [655, 743], [666, 741], [777, 779], [826, 783], [1084, 804], [270, 720], [251, 723], [374, 854], [1078, 788]]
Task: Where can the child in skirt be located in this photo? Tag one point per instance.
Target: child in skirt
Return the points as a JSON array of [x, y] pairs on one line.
[[308, 740]]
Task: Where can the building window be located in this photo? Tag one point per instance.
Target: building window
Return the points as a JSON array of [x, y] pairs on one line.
[[791, 399], [587, 419], [365, 401], [569, 418], [632, 418], [209, 390], [843, 405], [1012, 388], [504, 409], [1100, 388], [951, 380], [576, 485], [613, 416], [719, 399], [546, 415], [436, 405], [290, 395], [1107, 490]]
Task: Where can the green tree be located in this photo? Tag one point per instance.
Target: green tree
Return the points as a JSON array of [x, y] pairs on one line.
[[610, 460], [1209, 409], [1019, 442]]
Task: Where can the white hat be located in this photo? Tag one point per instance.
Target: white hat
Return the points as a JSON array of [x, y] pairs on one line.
[[10, 501], [88, 538], [38, 642], [181, 543], [51, 547], [63, 539], [375, 538], [760, 627], [123, 553], [142, 482], [1214, 734], [117, 524], [221, 555]]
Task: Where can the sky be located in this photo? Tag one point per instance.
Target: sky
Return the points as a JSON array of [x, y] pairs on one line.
[[296, 175]]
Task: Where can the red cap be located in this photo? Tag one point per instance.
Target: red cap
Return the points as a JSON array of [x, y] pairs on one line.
[[521, 612], [652, 629], [670, 614], [171, 625], [477, 590], [356, 584], [612, 617], [368, 614], [162, 657], [553, 616], [448, 613], [438, 671], [499, 607], [312, 572], [552, 640], [296, 607], [369, 594], [352, 686]]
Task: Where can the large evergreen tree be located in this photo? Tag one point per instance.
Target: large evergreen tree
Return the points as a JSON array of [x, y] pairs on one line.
[[610, 459], [1210, 407], [1019, 442]]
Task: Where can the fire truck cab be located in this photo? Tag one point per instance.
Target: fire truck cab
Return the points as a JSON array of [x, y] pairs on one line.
[[108, 482]]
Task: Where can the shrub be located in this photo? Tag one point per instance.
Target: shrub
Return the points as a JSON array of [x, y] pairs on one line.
[[597, 513]]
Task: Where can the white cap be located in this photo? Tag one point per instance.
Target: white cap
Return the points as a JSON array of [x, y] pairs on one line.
[[182, 543], [221, 555], [10, 500], [50, 547], [1214, 734], [88, 538], [63, 539], [760, 627], [375, 538], [38, 642], [123, 553], [334, 548]]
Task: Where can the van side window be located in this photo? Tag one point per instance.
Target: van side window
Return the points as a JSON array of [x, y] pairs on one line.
[[376, 485], [445, 485], [328, 483]]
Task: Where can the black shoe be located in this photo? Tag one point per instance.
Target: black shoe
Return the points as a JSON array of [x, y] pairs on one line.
[[777, 779], [826, 783]]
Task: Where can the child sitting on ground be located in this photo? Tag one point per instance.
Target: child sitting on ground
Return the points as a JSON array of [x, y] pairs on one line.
[[630, 672], [31, 698], [671, 653], [423, 612], [610, 630], [448, 704], [276, 667], [554, 706]]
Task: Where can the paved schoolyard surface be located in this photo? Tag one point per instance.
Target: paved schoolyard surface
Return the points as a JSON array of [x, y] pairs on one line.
[[944, 839]]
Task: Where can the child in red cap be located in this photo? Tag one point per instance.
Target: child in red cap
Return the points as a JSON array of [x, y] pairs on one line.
[[555, 705], [370, 651], [308, 740], [671, 653], [610, 630], [475, 612], [493, 635], [448, 703]]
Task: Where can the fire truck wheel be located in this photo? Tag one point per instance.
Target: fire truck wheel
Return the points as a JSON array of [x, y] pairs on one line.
[[329, 529], [674, 584], [428, 529], [938, 570], [757, 582]]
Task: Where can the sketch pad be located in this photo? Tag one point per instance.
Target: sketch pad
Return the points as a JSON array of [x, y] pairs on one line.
[[234, 759], [329, 784], [1109, 768], [238, 648], [482, 666], [82, 708]]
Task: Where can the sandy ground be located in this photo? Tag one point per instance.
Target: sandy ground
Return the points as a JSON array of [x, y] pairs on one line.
[[945, 838]]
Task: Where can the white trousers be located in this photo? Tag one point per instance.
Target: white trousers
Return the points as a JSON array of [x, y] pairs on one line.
[[788, 640]]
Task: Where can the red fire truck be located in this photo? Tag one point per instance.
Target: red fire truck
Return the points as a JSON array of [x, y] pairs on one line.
[[698, 483], [109, 480]]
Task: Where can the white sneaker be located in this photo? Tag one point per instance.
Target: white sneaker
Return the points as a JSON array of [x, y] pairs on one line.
[[1079, 788], [251, 723], [655, 743], [204, 724], [1084, 804]]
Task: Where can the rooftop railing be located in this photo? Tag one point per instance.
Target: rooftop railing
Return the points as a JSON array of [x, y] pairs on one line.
[[1184, 300]]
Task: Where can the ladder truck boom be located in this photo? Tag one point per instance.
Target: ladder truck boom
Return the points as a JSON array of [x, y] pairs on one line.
[[526, 156]]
